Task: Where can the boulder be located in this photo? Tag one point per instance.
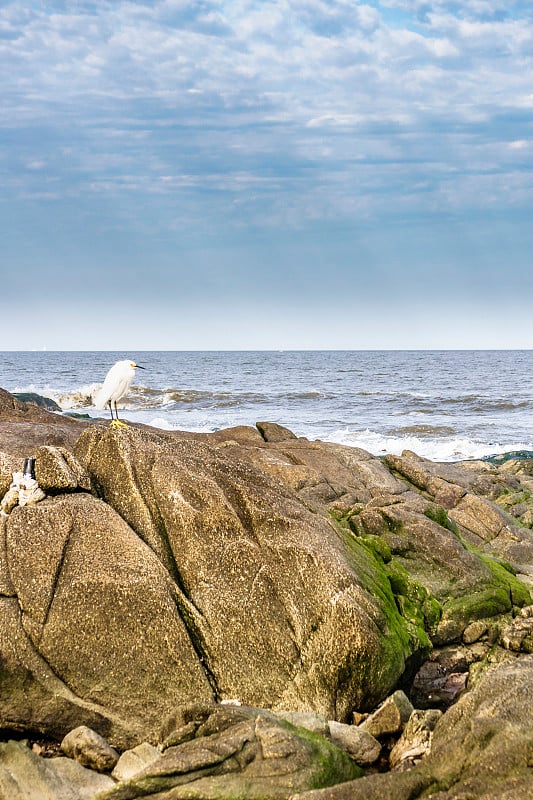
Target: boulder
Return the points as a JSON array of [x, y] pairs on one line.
[[361, 745], [133, 761], [32, 398], [89, 749], [390, 717], [316, 723], [58, 471], [239, 752], [299, 604], [95, 622], [272, 432]]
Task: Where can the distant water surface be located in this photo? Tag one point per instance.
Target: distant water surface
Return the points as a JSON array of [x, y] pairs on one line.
[[445, 405]]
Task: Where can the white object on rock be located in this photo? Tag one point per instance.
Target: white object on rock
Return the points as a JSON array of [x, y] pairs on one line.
[[24, 490]]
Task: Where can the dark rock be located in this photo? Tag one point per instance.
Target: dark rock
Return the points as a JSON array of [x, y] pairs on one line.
[[32, 398]]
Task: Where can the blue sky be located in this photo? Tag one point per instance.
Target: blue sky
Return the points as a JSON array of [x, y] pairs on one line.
[[308, 174]]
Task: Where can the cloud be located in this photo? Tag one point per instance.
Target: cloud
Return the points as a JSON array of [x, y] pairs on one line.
[[268, 115]]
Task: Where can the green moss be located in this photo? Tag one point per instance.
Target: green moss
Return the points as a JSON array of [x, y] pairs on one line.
[[415, 602], [438, 514], [487, 602], [331, 765], [404, 625], [378, 546], [519, 594], [498, 596]]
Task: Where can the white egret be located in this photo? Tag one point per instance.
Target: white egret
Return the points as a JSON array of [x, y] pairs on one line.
[[116, 384]]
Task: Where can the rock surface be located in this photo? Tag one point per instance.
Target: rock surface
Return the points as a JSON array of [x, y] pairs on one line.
[[26, 776], [361, 745], [238, 752], [481, 748], [248, 565]]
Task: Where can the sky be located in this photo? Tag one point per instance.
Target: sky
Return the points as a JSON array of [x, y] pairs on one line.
[[266, 175]]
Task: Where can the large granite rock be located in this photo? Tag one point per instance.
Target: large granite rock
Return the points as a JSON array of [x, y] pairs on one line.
[[283, 612], [92, 634]]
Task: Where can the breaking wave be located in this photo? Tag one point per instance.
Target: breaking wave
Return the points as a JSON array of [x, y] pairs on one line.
[[448, 448]]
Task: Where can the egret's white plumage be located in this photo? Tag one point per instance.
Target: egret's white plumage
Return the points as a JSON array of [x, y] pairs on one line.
[[117, 382]]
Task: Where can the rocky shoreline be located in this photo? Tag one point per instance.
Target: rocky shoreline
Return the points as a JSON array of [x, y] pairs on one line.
[[233, 613]]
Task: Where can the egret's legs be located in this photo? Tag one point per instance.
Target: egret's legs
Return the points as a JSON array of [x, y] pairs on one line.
[[115, 421]]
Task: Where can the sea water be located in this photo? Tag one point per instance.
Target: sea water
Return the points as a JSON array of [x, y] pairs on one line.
[[444, 405]]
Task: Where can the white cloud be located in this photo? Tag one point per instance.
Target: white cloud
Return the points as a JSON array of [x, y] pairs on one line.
[[306, 96]]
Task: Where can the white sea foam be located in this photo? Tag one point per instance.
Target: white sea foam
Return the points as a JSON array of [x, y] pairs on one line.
[[442, 449]]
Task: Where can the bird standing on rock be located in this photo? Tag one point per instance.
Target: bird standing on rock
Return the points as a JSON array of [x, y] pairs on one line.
[[116, 384]]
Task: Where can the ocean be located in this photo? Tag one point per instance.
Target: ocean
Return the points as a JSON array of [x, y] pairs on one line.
[[444, 405]]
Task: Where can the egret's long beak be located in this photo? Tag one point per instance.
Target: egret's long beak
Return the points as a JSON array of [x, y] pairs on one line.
[[138, 366]]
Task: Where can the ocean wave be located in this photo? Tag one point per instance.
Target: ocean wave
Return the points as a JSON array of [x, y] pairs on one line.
[[423, 430], [451, 448], [170, 398]]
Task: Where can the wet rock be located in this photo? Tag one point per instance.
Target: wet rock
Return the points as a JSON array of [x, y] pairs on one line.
[[89, 749], [442, 679], [32, 398]]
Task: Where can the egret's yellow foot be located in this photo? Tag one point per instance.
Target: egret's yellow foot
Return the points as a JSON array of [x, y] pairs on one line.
[[116, 423]]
